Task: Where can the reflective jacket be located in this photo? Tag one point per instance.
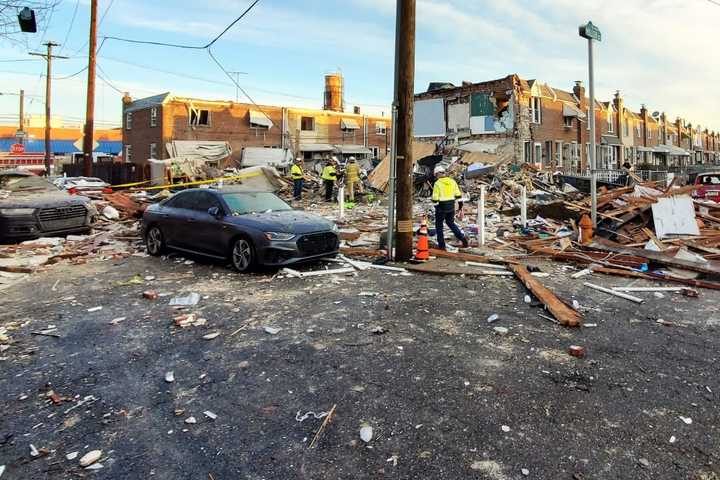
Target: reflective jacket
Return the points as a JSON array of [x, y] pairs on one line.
[[329, 173], [445, 190], [296, 172], [352, 172]]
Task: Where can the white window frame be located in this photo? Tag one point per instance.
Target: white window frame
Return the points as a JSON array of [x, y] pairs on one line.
[[153, 116], [128, 120], [127, 154], [568, 122], [375, 151], [536, 110], [611, 120], [380, 129], [153, 150]]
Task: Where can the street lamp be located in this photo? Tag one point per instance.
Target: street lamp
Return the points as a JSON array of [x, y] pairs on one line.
[[592, 33]]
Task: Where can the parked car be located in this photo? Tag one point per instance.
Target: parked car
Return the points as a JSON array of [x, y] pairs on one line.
[[707, 185], [82, 185], [32, 207], [248, 228]]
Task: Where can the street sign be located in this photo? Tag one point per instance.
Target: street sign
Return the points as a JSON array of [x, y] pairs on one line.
[[79, 144], [590, 31], [17, 148], [20, 134]]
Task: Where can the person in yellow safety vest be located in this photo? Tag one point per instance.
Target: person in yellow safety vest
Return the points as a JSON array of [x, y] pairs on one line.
[[297, 175], [329, 175], [352, 177], [445, 193]]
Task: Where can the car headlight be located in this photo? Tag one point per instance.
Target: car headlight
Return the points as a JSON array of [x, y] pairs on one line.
[[283, 237], [16, 211]]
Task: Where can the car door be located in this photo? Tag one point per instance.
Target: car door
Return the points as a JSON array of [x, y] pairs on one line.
[[208, 231], [176, 219]]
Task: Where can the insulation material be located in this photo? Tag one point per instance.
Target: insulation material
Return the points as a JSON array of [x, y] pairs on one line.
[[429, 118], [208, 151], [674, 216], [491, 123], [459, 116], [378, 178]]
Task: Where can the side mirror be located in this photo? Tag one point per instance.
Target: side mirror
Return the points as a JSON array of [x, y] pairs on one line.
[[215, 212]]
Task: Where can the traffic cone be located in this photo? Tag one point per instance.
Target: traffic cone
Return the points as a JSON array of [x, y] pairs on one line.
[[422, 253]]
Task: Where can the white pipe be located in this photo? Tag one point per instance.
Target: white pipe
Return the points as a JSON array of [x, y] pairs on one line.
[[341, 201], [523, 206], [481, 216], [613, 292]]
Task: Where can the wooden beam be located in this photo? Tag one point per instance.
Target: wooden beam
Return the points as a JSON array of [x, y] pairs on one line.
[[564, 314]]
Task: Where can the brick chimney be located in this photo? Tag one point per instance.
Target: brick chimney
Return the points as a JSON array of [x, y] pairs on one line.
[[644, 116], [579, 91], [663, 131], [126, 99], [619, 104]]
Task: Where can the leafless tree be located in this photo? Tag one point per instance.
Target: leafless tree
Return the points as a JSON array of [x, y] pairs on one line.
[[9, 9]]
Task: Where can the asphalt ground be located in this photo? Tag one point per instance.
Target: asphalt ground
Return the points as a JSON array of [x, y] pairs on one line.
[[413, 357]]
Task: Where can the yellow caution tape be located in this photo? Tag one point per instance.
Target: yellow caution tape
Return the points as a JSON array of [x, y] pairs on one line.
[[124, 185], [202, 182]]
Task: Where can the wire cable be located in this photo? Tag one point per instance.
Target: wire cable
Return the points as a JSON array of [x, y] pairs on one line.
[[72, 22]]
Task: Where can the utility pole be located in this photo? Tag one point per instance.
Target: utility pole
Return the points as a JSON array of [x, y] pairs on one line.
[[402, 131], [21, 127], [237, 84], [89, 132], [48, 81]]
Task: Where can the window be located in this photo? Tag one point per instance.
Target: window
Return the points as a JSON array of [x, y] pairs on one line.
[[199, 118], [307, 124], [610, 123], [380, 129], [153, 116], [128, 121], [637, 129], [626, 128], [527, 152], [538, 152], [568, 122], [128, 153], [375, 152], [153, 150], [535, 110]]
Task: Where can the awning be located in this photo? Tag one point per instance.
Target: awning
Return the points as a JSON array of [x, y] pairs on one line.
[[316, 147], [570, 111], [348, 124], [671, 150], [206, 151], [353, 149], [259, 118], [644, 149], [610, 140]]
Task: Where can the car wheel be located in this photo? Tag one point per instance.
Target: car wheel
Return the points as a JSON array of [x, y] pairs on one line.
[[154, 241], [243, 255]]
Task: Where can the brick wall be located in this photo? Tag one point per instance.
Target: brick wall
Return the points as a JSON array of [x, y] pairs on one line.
[[141, 135]]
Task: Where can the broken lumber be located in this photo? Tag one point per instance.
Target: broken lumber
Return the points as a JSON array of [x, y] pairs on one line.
[[564, 314], [613, 292]]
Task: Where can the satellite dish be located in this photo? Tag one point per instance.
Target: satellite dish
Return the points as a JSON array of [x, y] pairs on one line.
[[655, 114]]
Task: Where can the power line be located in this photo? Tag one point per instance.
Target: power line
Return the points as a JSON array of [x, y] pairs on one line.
[[107, 82], [714, 2], [102, 17], [72, 22], [184, 46]]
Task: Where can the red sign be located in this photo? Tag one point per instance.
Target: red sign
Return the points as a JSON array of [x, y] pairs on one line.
[[17, 148]]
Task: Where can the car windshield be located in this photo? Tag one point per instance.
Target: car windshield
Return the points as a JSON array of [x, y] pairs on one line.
[[244, 203], [19, 183]]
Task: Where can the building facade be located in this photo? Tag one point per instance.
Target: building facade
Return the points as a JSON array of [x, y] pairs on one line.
[[149, 124], [516, 120]]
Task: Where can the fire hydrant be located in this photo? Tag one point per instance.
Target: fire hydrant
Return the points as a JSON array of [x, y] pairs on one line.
[[586, 230]]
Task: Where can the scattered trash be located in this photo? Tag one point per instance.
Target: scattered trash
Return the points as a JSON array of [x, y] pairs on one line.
[[525, 471], [34, 451], [576, 351], [644, 463], [317, 416], [189, 300], [117, 320], [673, 439], [191, 420], [90, 458], [493, 318], [94, 309], [72, 455], [527, 299], [378, 330], [150, 294], [111, 213], [272, 330], [189, 320], [393, 459], [686, 420], [170, 377], [211, 336], [366, 433], [210, 415], [505, 428]]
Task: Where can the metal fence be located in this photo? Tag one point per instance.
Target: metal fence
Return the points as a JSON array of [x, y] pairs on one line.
[[618, 176], [111, 172]]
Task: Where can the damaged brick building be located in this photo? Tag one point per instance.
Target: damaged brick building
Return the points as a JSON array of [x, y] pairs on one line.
[[153, 126], [512, 120]]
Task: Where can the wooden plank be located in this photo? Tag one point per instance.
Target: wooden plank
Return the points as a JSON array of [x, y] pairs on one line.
[[564, 314], [710, 268], [613, 292], [661, 277]]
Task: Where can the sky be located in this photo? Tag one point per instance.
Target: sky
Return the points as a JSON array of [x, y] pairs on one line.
[[662, 53]]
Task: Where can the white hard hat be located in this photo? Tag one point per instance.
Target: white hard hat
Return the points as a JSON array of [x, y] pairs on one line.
[[439, 169]]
